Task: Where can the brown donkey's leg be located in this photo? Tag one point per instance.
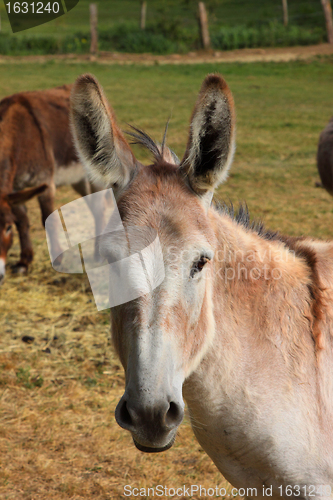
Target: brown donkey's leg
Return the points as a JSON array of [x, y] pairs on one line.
[[16, 200], [82, 187], [46, 203], [22, 224]]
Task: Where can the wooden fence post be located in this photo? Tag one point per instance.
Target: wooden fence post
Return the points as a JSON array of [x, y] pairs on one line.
[[143, 14], [93, 29], [285, 12], [203, 20], [328, 18]]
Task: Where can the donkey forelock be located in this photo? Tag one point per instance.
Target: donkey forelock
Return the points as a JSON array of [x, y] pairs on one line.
[[159, 151]]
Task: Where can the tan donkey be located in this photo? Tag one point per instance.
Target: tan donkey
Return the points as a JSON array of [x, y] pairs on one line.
[[242, 325]]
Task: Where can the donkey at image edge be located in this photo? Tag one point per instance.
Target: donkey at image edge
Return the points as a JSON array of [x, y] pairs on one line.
[[325, 157], [246, 341]]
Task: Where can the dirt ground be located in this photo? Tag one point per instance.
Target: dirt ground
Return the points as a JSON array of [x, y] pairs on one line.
[[280, 54]]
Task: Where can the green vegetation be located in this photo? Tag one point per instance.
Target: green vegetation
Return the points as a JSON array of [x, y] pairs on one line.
[[131, 39], [24, 378], [172, 26]]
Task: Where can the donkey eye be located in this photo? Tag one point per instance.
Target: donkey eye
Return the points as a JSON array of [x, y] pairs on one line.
[[8, 228], [198, 266]]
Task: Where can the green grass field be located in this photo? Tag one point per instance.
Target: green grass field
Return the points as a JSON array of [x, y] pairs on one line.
[[58, 436]]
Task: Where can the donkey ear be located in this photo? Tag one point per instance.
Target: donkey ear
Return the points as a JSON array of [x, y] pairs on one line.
[[24, 195], [100, 144], [211, 142]]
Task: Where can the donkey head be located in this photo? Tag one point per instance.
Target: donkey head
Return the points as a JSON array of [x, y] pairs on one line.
[[161, 337], [7, 219]]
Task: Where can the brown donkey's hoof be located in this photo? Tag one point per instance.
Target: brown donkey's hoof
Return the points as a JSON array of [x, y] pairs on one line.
[[19, 269]]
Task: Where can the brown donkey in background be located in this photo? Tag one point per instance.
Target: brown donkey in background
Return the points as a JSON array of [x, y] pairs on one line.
[[325, 157], [36, 152], [241, 326]]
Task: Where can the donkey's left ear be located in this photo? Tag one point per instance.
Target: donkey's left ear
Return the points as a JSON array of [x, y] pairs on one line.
[[99, 141], [211, 142]]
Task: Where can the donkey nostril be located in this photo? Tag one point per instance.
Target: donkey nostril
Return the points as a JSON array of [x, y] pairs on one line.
[[125, 416], [174, 415]]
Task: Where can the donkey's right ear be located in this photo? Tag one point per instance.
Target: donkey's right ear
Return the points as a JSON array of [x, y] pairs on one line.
[[211, 142], [100, 144]]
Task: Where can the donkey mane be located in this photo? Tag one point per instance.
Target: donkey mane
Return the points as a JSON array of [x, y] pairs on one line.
[[243, 218]]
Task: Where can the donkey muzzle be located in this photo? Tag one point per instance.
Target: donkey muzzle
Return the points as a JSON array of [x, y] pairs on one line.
[[153, 426]]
